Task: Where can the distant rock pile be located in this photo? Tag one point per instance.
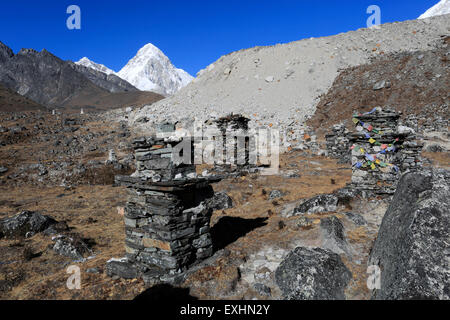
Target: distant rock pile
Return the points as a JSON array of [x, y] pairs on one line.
[[166, 216], [338, 143], [235, 145]]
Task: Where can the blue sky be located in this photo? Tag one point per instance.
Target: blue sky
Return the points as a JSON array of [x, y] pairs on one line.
[[192, 33]]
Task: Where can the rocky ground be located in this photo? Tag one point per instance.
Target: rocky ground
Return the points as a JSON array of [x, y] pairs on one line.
[[251, 239]]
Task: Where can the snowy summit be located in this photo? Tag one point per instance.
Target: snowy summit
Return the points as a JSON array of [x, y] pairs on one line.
[[96, 66], [151, 70], [443, 7]]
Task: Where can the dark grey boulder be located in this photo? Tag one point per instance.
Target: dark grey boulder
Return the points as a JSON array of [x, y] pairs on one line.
[[312, 274], [220, 201], [122, 268], [24, 224], [3, 170], [93, 270], [412, 247], [318, 204]]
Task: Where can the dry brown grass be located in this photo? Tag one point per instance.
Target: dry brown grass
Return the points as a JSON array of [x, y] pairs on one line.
[[439, 159], [92, 213]]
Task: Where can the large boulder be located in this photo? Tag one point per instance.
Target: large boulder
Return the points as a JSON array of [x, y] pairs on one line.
[[220, 201], [122, 268], [24, 224], [312, 274], [412, 247]]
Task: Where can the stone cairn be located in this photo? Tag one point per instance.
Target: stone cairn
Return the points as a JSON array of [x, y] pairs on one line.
[[338, 143], [230, 161], [167, 220], [381, 152]]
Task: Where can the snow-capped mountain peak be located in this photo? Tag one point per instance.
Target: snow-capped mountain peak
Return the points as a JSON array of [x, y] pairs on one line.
[[151, 70], [96, 66], [443, 7]]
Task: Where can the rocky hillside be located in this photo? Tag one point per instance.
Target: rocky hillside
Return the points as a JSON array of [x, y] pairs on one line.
[[278, 83], [414, 83], [96, 66], [13, 102], [110, 82]]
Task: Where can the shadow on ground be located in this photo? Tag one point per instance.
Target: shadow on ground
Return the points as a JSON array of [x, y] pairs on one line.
[[229, 229]]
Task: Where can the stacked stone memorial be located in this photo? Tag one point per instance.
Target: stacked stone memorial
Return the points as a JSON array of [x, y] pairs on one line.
[[234, 146], [338, 143], [167, 220], [381, 152]]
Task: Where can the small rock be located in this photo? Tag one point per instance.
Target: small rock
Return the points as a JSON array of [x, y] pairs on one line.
[[72, 247], [381, 85], [434, 148], [93, 270], [356, 218], [274, 194], [262, 289], [304, 222]]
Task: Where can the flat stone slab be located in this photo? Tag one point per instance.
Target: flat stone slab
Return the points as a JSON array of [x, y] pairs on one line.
[[166, 186]]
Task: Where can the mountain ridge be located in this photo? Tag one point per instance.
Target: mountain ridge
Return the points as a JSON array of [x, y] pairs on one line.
[[50, 81]]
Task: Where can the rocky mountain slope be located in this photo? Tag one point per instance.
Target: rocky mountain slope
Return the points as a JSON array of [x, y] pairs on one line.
[[110, 82], [441, 8], [43, 77], [414, 83], [50, 81], [282, 83], [11, 101], [151, 70]]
